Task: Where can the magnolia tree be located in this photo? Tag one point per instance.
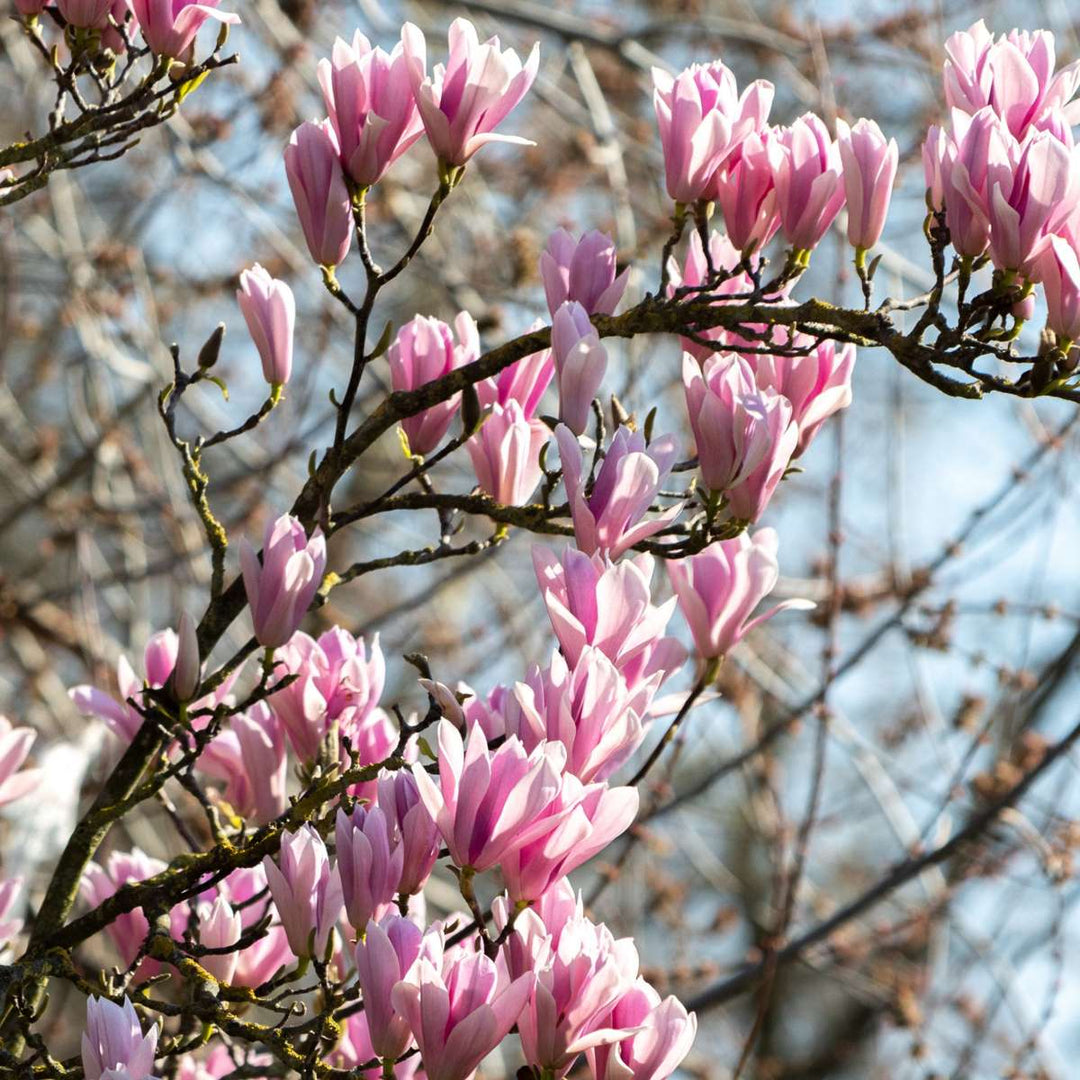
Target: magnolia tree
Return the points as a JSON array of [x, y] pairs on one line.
[[300, 921]]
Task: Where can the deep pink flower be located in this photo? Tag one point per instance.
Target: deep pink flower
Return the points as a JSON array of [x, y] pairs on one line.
[[869, 163], [719, 588], [505, 454], [269, 309], [489, 802], [417, 833], [424, 350], [702, 120], [280, 588], [661, 1034], [459, 1007], [169, 26], [523, 381], [383, 958], [580, 363], [369, 98], [592, 601], [336, 677], [306, 891], [611, 518], [113, 1040], [462, 103], [582, 270], [369, 861], [313, 169], [806, 171]]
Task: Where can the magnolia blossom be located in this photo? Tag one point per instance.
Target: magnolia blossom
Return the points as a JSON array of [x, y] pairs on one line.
[[934, 149], [462, 103], [489, 802], [975, 155], [369, 862], [505, 454], [15, 746], [219, 928], [611, 518], [459, 1006], [1059, 271], [659, 1036], [424, 350], [702, 121], [319, 193], [338, 677], [1013, 74], [745, 192], [170, 26], [582, 270], [246, 892], [114, 1043], [589, 708], [523, 381], [869, 164], [249, 756], [592, 601], [806, 170], [416, 832], [306, 891], [745, 437], [280, 588], [369, 97], [580, 363], [719, 588], [269, 309], [85, 14], [817, 384], [383, 958]]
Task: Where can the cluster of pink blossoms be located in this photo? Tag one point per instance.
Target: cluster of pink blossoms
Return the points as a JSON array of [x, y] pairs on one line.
[[1005, 171], [168, 27]]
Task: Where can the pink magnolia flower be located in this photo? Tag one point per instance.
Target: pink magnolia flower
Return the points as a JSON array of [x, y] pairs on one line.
[[584, 974], [113, 1040], [745, 437], [719, 588], [817, 385], [85, 14], [702, 120], [1031, 203], [580, 363], [355, 1049], [582, 270], [695, 271], [977, 155], [661, 1034], [306, 891], [523, 381], [462, 103], [934, 150], [459, 1007], [313, 169], [588, 707], [383, 958], [187, 671], [369, 862], [280, 588], [219, 928], [261, 960], [336, 677], [1059, 271], [15, 746], [505, 454], [869, 164], [592, 601], [1014, 75], [744, 189], [269, 309], [417, 834], [169, 26], [806, 172], [249, 756], [9, 927], [489, 802], [369, 98], [424, 350], [538, 927], [609, 519], [128, 931], [581, 821]]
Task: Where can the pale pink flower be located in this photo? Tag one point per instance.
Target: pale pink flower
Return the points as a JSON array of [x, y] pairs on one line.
[[417, 834], [114, 1040], [220, 927], [745, 192], [369, 862], [523, 381], [313, 169], [384, 957], [1059, 271], [583, 270], [869, 163], [580, 363], [269, 309], [15, 746], [505, 454]]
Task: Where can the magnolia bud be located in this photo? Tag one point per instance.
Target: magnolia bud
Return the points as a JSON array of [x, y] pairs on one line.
[[211, 350], [188, 670]]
